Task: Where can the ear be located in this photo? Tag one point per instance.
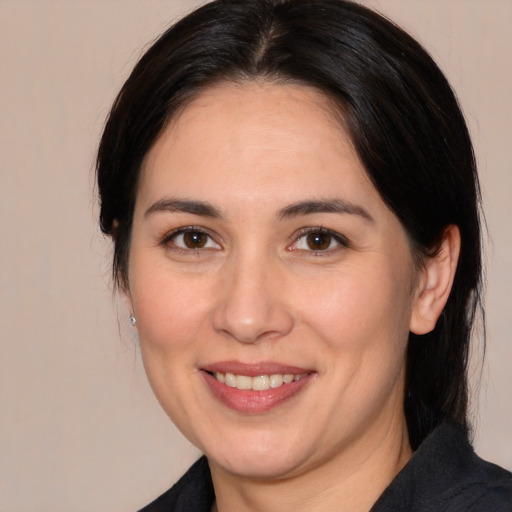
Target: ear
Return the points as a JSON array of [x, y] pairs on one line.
[[122, 284], [435, 283]]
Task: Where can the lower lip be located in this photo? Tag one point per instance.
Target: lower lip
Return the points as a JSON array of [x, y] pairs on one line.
[[250, 401]]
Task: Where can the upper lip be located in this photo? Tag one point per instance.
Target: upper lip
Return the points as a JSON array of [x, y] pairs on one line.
[[254, 369]]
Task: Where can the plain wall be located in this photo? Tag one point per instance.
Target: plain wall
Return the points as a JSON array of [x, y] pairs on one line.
[[80, 429]]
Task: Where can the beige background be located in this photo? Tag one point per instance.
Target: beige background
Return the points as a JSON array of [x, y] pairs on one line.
[[79, 428]]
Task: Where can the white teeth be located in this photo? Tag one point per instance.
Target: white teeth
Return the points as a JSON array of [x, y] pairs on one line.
[[230, 380], [259, 383], [276, 380], [243, 382]]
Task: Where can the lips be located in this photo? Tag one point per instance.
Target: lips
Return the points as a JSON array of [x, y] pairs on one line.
[[255, 388]]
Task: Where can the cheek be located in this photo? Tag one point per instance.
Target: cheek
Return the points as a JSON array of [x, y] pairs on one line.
[[357, 306], [170, 309], [363, 321], [171, 316]]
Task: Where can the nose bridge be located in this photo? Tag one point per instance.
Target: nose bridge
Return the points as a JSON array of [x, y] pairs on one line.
[[252, 303]]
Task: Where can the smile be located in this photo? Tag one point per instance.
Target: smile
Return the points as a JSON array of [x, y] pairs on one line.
[[258, 383], [255, 388]]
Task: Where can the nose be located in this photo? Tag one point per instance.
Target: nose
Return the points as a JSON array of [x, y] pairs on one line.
[[252, 305]]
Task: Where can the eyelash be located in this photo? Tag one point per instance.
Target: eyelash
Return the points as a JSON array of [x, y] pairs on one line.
[[340, 240]]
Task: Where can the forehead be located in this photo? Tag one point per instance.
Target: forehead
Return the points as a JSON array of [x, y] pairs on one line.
[[255, 139], [260, 100]]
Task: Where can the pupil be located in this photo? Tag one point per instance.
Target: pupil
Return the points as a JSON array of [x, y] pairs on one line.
[[194, 240], [318, 241]]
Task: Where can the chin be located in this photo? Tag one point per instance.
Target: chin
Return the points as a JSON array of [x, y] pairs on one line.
[[260, 461], [259, 469]]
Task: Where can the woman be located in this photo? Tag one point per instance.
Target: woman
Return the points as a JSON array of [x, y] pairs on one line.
[[292, 194]]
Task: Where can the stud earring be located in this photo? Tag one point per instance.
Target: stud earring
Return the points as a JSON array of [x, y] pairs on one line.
[[133, 320]]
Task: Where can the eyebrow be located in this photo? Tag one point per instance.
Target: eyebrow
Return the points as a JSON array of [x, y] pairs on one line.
[[201, 208], [205, 209], [324, 206]]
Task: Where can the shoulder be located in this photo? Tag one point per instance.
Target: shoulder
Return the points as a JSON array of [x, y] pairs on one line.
[[470, 483], [445, 475], [483, 487], [194, 491]]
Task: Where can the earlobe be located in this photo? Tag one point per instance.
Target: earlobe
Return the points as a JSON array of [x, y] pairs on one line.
[[129, 303], [435, 283]]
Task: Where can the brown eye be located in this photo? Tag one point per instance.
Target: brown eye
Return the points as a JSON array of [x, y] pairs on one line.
[[191, 239], [318, 241], [195, 239]]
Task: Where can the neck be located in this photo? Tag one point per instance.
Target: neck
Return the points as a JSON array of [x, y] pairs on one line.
[[349, 481]]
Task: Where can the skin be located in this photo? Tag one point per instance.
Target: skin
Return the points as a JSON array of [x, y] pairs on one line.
[[256, 291]]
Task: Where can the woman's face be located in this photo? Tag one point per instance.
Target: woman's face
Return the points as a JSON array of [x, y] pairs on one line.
[[261, 254]]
